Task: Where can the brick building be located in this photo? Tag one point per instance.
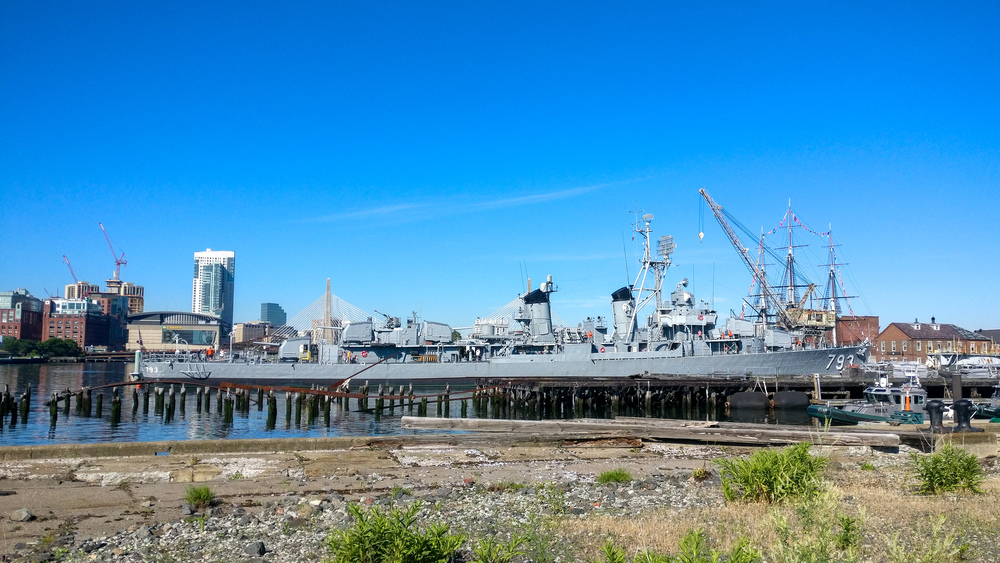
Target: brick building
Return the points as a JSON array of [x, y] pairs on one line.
[[20, 315], [908, 342], [83, 321], [855, 330]]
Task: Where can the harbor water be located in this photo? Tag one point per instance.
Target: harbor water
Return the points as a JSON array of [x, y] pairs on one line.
[[141, 423]]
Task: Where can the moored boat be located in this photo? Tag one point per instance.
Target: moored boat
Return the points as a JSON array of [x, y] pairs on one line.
[[882, 403]]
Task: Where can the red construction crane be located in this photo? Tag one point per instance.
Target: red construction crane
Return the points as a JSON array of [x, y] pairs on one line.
[[119, 260], [71, 272], [76, 281]]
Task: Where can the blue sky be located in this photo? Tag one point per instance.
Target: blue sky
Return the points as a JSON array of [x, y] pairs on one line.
[[426, 156]]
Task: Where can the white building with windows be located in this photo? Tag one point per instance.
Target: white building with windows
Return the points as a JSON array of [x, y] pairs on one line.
[[212, 285]]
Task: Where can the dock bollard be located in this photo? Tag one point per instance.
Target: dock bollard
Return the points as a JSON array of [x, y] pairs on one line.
[[964, 410], [935, 410]]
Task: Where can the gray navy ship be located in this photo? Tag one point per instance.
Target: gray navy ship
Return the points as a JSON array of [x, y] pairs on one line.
[[676, 337]]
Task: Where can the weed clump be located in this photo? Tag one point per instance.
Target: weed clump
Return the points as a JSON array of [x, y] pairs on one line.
[[772, 476], [614, 476], [199, 497], [950, 469], [693, 548], [379, 537], [490, 550]]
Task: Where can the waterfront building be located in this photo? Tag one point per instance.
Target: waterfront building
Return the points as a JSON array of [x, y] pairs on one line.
[[212, 285], [80, 290], [20, 315], [250, 332], [908, 342], [855, 330], [83, 321], [134, 293], [173, 331], [272, 313]]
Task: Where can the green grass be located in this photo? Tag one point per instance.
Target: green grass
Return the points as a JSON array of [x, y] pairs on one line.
[[868, 466], [949, 469], [772, 476], [391, 537], [199, 497], [505, 486], [614, 476]]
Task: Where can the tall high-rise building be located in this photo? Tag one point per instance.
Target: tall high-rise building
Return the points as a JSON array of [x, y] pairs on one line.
[[272, 313], [212, 286]]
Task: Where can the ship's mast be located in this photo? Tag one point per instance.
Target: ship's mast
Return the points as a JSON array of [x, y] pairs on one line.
[[790, 260], [658, 267]]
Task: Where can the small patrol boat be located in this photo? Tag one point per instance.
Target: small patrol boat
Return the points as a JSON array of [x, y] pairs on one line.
[[882, 403]]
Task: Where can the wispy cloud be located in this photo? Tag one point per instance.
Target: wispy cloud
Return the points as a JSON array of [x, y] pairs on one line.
[[366, 213], [531, 198], [434, 209]]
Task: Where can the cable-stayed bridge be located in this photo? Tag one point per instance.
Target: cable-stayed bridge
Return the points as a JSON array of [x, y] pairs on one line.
[[342, 312]]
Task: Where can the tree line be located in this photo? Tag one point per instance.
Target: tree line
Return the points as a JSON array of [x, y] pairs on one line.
[[53, 347]]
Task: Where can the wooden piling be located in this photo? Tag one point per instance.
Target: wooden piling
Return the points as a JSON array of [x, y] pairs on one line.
[[116, 407], [272, 410]]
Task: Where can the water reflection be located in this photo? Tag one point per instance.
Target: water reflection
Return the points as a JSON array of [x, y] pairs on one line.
[[142, 420]]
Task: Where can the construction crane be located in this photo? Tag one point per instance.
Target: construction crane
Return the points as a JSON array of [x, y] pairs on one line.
[[86, 287], [784, 319], [119, 260], [70, 266]]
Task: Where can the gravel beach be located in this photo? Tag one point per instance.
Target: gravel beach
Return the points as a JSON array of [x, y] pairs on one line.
[[281, 505]]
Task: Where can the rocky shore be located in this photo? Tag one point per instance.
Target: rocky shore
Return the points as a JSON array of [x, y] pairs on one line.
[[282, 505]]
